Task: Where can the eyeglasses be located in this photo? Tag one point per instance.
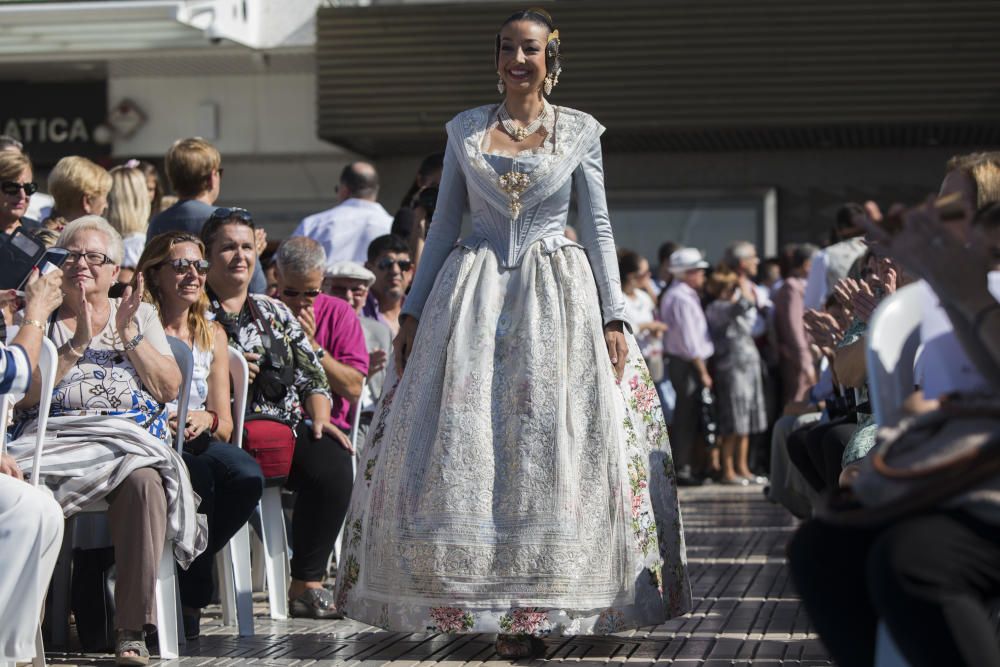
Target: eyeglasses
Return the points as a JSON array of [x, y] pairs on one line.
[[92, 258], [386, 263], [292, 293], [13, 187], [226, 213], [181, 266]]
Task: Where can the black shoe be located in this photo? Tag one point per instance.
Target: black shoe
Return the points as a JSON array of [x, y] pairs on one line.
[[314, 603], [689, 480]]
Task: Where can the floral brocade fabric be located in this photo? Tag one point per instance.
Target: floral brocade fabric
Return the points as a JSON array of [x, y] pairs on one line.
[[509, 482]]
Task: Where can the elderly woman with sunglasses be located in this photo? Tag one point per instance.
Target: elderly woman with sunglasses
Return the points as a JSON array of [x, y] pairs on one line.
[[289, 385], [108, 425], [227, 479]]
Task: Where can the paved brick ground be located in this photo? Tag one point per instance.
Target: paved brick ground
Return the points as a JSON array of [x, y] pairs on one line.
[[746, 613]]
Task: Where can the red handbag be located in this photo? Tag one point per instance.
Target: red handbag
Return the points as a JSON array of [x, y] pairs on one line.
[[271, 443]]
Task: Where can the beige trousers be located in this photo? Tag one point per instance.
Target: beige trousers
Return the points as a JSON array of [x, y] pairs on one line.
[[138, 518]]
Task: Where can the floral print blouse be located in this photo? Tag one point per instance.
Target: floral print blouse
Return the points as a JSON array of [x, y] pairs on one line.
[[309, 376]]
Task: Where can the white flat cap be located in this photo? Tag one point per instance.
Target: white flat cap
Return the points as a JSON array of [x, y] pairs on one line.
[[346, 269]]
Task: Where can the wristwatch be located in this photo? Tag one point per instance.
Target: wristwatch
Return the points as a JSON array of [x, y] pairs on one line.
[[320, 352], [134, 343]]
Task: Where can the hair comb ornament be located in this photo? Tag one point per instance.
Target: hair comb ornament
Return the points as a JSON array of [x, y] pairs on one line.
[[132, 164], [553, 36]]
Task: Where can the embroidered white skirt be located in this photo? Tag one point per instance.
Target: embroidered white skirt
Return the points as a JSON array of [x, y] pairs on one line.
[[509, 483]]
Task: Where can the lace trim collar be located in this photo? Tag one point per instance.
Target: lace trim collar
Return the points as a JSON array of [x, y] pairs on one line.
[[572, 132]]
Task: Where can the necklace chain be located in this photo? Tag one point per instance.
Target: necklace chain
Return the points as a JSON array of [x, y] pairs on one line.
[[521, 133]]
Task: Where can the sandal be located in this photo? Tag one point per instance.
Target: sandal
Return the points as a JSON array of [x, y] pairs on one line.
[[519, 646], [314, 603], [131, 641]]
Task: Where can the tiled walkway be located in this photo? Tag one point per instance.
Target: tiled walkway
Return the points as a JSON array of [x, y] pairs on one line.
[[746, 613]]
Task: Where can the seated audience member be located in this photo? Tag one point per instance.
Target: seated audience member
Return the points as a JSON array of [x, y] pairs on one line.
[[688, 347], [226, 478], [833, 262], [287, 384], [17, 185], [78, 188], [31, 522], [194, 169], [39, 204], [128, 213], [346, 230], [350, 281], [331, 325], [929, 575], [116, 369], [736, 371], [797, 366], [389, 260]]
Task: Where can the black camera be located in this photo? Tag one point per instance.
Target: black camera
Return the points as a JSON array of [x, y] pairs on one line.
[[427, 200], [274, 379]]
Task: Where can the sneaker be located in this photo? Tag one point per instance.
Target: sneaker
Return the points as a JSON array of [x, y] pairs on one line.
[[314, 603]]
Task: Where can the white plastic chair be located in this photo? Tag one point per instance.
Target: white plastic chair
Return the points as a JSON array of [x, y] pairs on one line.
[[233, 562], [47, 360], [355, 427], [893, 340]]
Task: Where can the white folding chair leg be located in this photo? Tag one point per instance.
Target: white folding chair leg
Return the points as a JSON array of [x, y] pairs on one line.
[[886, 652], [237, 597], [258, 575], [167, 607], [275, 551]]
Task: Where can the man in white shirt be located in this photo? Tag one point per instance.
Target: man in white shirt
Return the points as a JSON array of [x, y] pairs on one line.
[[346, 230]]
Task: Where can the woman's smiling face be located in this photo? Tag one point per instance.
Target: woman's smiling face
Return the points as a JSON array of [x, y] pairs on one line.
[[521, 62]]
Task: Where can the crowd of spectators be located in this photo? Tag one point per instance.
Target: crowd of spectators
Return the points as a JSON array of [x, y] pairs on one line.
[[760, 366]]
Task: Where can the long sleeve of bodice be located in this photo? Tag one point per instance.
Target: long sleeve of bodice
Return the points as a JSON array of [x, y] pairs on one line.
[[596, 235], [444, 230]]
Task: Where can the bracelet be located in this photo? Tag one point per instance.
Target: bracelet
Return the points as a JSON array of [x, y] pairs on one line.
[[34, 323], [982, 315], [73, 350], [319, 352], [215, 421], [134, 343]]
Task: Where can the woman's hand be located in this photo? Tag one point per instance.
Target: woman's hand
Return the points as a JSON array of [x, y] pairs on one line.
[[376, 361], [260, 240], [42, 294], [127, 308], [321, 427], [614, 338], [8, 466], [197, 422], [84, 322], [403, 344], [252, 366]]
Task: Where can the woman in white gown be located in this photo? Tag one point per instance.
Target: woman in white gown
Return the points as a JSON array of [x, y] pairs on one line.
[[518, 478]]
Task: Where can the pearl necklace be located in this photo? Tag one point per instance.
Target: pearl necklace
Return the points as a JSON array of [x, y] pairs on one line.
[[521, 133]]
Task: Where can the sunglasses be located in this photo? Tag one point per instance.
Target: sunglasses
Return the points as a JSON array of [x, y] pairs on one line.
[[235, 212], [181, 266], [292, 293], [386, 263], [13, 187]]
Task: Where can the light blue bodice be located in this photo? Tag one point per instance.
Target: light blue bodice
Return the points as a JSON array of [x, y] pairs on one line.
[[472, 177]]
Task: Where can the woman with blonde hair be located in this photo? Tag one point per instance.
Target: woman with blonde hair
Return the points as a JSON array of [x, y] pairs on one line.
[[128, 213], [739, 385], [227, 479]]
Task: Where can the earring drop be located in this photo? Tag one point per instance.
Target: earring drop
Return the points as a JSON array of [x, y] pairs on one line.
[[501, 87], [548, 85]]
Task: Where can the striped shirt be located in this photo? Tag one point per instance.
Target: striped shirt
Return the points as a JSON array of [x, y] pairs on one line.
[[15, 370]]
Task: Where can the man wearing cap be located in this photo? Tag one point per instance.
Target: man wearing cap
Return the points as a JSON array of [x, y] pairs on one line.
[[350, 282], [688, 346]]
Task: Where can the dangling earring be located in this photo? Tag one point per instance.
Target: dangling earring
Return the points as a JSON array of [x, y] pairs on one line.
[[501, 86], [547, 86]]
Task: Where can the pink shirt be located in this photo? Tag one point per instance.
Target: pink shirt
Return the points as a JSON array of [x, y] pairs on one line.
[[339, 332]]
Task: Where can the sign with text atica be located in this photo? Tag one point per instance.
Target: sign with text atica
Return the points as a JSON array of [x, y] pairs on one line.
[[54, 119]]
